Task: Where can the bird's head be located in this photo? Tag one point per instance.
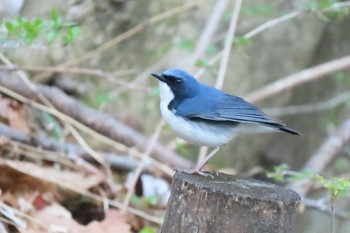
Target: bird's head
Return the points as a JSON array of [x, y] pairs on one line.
[[182, 84]]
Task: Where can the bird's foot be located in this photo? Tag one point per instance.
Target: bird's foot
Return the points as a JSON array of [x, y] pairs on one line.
[[199, 172]]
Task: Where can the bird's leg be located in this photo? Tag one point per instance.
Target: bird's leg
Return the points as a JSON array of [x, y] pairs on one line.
[[201, 163]]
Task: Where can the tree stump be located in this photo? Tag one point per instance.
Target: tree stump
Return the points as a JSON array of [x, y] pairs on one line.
[[230, 204]]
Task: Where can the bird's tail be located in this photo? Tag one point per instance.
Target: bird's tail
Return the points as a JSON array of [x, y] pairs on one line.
[[289, 130], [284, 128]]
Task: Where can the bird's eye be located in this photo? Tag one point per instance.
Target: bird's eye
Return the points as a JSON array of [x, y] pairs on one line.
[[178, 81]]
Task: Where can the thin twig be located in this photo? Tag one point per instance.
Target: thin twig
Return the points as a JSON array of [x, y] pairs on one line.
[[271, 23], [23, 215], [228, 44], [145, 158], [209, 30]]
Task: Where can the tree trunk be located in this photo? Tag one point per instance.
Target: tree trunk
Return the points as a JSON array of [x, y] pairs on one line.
[[226, 203]]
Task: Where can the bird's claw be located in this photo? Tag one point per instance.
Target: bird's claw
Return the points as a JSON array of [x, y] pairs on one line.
[[199, 172]]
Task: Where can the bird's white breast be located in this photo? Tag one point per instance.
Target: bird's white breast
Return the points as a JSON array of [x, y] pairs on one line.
[[200, 133]]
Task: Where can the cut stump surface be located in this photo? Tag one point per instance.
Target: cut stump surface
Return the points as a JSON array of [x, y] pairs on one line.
[[227, 203]]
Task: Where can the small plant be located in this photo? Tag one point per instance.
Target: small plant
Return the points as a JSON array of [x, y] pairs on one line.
[[28, 31], [336, 186]]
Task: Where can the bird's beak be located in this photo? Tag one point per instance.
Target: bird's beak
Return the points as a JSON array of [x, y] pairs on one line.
[[159, 76]]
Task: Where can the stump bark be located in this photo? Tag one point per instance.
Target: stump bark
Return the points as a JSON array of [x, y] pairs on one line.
[[227, 203]]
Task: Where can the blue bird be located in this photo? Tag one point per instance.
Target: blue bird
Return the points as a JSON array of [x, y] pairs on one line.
[[206, 116]]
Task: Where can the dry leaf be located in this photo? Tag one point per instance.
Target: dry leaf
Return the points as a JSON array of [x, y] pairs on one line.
[[113, 223], [13, 112], [53, 218], [40, 186], [55, 175]]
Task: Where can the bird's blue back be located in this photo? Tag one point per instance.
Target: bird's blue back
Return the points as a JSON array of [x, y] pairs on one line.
[[209, 103]]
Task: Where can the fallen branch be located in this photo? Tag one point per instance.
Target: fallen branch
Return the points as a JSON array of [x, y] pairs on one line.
[[98, 121], [72, 150]]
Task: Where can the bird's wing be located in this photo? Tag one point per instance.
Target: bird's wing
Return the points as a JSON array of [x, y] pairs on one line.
[[227, 108]]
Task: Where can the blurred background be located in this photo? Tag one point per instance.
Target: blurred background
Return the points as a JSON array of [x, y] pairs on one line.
[[101, 54]]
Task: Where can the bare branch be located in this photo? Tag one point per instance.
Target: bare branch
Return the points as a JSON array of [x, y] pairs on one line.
[[299, 78], [228, 44], [209, 30]]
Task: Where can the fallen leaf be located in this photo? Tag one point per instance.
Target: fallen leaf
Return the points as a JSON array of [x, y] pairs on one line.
[[39, 185], [56, 175], [53, 218], [56, 218], [14, 113], [114, 222]]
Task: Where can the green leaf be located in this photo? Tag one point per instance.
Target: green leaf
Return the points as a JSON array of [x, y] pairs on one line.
[[51, 122], [260, 10], [51, 36], [278, 172], [151, 200], [202, 63], [135, 200], [305, 174], [37, 22], [187, 44], [148, 229], [102, 99], [9, 26], [71, 35], [54, 15], [212, 49], [242, 41]]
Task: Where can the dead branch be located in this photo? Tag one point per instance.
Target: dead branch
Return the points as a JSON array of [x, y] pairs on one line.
[[70, 86], [72, 150], [98, 121], [324, 156], [310, 108], [228, 44], [299, 78]]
